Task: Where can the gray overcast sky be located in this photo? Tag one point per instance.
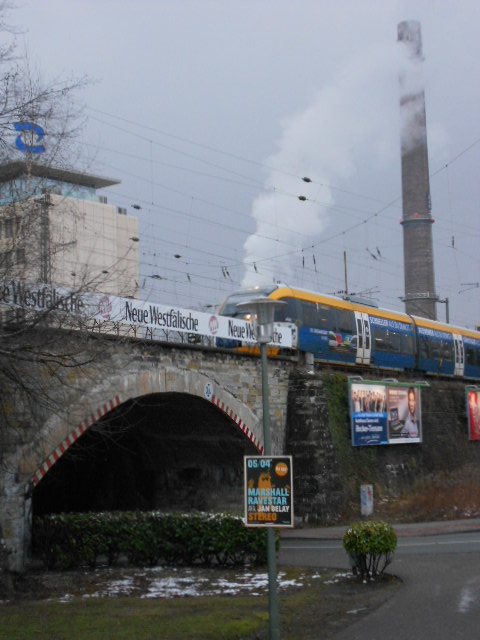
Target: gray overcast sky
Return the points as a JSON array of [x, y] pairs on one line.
[[210, 112]]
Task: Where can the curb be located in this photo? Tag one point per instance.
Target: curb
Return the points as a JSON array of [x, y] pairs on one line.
[[402, 530]]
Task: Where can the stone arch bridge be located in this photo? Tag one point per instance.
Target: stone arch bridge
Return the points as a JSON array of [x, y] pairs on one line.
[[191, 402], [147, 425]]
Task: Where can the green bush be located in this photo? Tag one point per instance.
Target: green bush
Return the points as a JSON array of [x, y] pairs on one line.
[[67, 541], [371, 546]]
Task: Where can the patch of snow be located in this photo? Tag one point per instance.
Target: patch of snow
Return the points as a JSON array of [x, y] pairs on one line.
[[337, 577], [170, 582], [66, 598], [355, 611], [466, 600]]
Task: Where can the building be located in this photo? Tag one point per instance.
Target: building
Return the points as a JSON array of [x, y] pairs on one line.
[[55, 229]]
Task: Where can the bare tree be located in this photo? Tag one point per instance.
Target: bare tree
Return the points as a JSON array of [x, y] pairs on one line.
[[48, 355], [39, 125]]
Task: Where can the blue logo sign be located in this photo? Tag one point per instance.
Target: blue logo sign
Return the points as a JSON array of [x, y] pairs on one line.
[[29, 148]]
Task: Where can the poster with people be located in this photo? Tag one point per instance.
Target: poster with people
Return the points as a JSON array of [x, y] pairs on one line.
[[369, 416], [385, 413], [473, 412]]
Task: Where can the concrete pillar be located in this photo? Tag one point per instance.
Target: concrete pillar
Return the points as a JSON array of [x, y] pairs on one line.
[[16, 534]]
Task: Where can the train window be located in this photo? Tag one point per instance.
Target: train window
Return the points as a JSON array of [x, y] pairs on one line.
[[436, 350], [325, 317], [407, 344], [423, 344], [345, 321], [287, 312], [472, 356], [447, 350], [387, 340], [395, 341], [229, 306], [318, 315], [309, 316], [380, 340]]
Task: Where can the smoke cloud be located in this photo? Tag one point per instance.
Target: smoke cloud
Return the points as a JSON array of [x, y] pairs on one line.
[[355, 118]]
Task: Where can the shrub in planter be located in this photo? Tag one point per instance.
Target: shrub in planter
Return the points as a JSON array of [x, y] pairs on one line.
[[371, 546]]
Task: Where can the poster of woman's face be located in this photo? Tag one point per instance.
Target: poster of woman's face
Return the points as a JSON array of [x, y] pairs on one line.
[[404, 414]]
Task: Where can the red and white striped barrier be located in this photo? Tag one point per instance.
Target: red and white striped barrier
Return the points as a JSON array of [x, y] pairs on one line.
[[73, 437], [251, 436]]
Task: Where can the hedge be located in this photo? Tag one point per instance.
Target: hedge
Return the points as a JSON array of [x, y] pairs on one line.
[[371, 546], [68, 541]]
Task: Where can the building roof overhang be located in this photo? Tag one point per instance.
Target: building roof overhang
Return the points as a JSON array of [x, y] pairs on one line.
[[12, 170]]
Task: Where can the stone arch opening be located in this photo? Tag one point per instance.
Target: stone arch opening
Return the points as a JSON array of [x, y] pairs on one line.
[[167, 450]]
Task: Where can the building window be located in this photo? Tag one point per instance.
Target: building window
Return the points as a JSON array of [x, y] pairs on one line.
[[9, 228], [6, 259], [20, 256]]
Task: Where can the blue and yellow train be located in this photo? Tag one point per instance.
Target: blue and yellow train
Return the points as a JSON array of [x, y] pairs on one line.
[[353, 332]]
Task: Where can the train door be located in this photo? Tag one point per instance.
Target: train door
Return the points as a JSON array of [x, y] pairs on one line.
[[459, 355], [364, 339]]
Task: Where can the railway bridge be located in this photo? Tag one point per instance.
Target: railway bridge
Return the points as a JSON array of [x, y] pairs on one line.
[[139, 424]]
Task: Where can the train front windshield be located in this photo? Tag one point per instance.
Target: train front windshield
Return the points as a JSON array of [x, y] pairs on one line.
[[229, 307]]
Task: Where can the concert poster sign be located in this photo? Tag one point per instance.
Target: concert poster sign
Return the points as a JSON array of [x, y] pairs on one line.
[[386, 412], [268, 491]]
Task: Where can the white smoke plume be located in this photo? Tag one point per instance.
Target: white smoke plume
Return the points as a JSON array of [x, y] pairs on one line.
[[354, 119], [412, 95]]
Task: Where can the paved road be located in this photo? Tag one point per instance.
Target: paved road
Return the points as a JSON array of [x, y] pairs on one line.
[[439, 564]]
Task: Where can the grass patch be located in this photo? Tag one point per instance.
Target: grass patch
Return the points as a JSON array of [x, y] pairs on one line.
[[321, 603], [215, 618]]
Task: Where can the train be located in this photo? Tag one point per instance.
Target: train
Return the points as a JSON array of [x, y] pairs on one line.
[[356, 332]]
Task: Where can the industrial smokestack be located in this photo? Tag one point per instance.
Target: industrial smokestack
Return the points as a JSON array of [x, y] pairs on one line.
[[420, 297]]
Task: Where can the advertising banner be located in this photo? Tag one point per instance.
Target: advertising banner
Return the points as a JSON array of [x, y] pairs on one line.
[[368, 413], [268, 491], [473, 412], [127, 311], [384, 413]]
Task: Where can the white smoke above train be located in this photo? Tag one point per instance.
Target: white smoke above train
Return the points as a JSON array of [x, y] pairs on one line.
[[326, 142]]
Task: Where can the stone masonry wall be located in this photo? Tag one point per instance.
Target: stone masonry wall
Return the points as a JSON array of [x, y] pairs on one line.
[[121, 371], [318, 488], [328, 470], [309, 420]]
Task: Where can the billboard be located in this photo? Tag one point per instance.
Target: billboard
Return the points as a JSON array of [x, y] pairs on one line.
[[473, 412], [132, 312], [268, 491], [386, 412]]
